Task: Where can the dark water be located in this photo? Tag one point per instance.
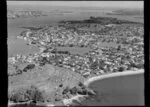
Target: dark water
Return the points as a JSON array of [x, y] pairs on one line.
[[55, 15], [121, 90]]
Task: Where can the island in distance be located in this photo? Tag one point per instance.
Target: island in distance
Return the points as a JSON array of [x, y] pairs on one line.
[[24, 14], [71, 52]]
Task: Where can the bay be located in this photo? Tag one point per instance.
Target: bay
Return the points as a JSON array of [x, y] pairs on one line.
[[120, 89], [54, 15]]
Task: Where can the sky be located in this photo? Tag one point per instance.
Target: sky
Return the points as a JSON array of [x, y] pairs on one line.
[[112, 4]]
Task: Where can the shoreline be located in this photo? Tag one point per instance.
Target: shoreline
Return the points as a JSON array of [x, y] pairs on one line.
[[76, 97], [10, 103], [86, 83], [30, 102], [105, 76]]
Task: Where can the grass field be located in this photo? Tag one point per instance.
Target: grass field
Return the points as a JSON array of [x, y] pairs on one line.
[[47, 78]]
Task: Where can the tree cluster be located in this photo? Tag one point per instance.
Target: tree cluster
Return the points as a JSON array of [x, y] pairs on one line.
[[24, 95]]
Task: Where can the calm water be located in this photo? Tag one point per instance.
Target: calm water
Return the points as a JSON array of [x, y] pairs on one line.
[[55, 14], [121, 90]]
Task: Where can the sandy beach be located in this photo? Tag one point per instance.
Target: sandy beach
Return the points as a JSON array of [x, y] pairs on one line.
[[38, 104], [117, 89], [105, 76], [73, 53], [94, 80]]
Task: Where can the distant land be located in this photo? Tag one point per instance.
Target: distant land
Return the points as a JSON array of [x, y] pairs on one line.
[[55, 47], [24, 14], [101, 20], [129, 12]]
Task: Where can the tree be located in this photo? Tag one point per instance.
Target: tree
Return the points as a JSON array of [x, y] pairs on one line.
[[58, 96], [70, 45], [101, 65], [29, 94], [19, 71], [66, 90], [92, 18], [94, 65], [18, 95], [30, 66], [120, 69], [119, 47], [139, 66], [38, 96], [73, 90], [81, 85]]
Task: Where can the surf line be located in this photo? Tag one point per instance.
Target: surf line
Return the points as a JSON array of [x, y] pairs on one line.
[[111, 75]]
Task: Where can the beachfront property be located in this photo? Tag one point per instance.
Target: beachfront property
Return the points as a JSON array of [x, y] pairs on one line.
[[71, 52]]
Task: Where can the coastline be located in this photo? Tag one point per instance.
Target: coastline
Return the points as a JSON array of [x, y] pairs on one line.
[[10, 103], [124, 73], [105, 76], [86, 83], [75, 32], [70, 101], [38, 104]]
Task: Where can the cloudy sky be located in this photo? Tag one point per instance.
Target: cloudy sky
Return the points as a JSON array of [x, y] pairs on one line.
[[124, 4]]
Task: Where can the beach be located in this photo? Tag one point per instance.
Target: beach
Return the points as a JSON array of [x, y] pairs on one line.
[[68, 55], [111, 75], [116, 89]]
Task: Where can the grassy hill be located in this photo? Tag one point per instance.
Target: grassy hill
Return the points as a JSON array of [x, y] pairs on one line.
[[48, 79]]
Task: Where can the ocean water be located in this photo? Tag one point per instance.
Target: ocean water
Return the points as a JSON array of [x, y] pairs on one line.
[[55, 14], [118, 91], [18, 46]]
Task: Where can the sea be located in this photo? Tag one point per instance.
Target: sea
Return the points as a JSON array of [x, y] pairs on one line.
[[127, 90], [55, 14]]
